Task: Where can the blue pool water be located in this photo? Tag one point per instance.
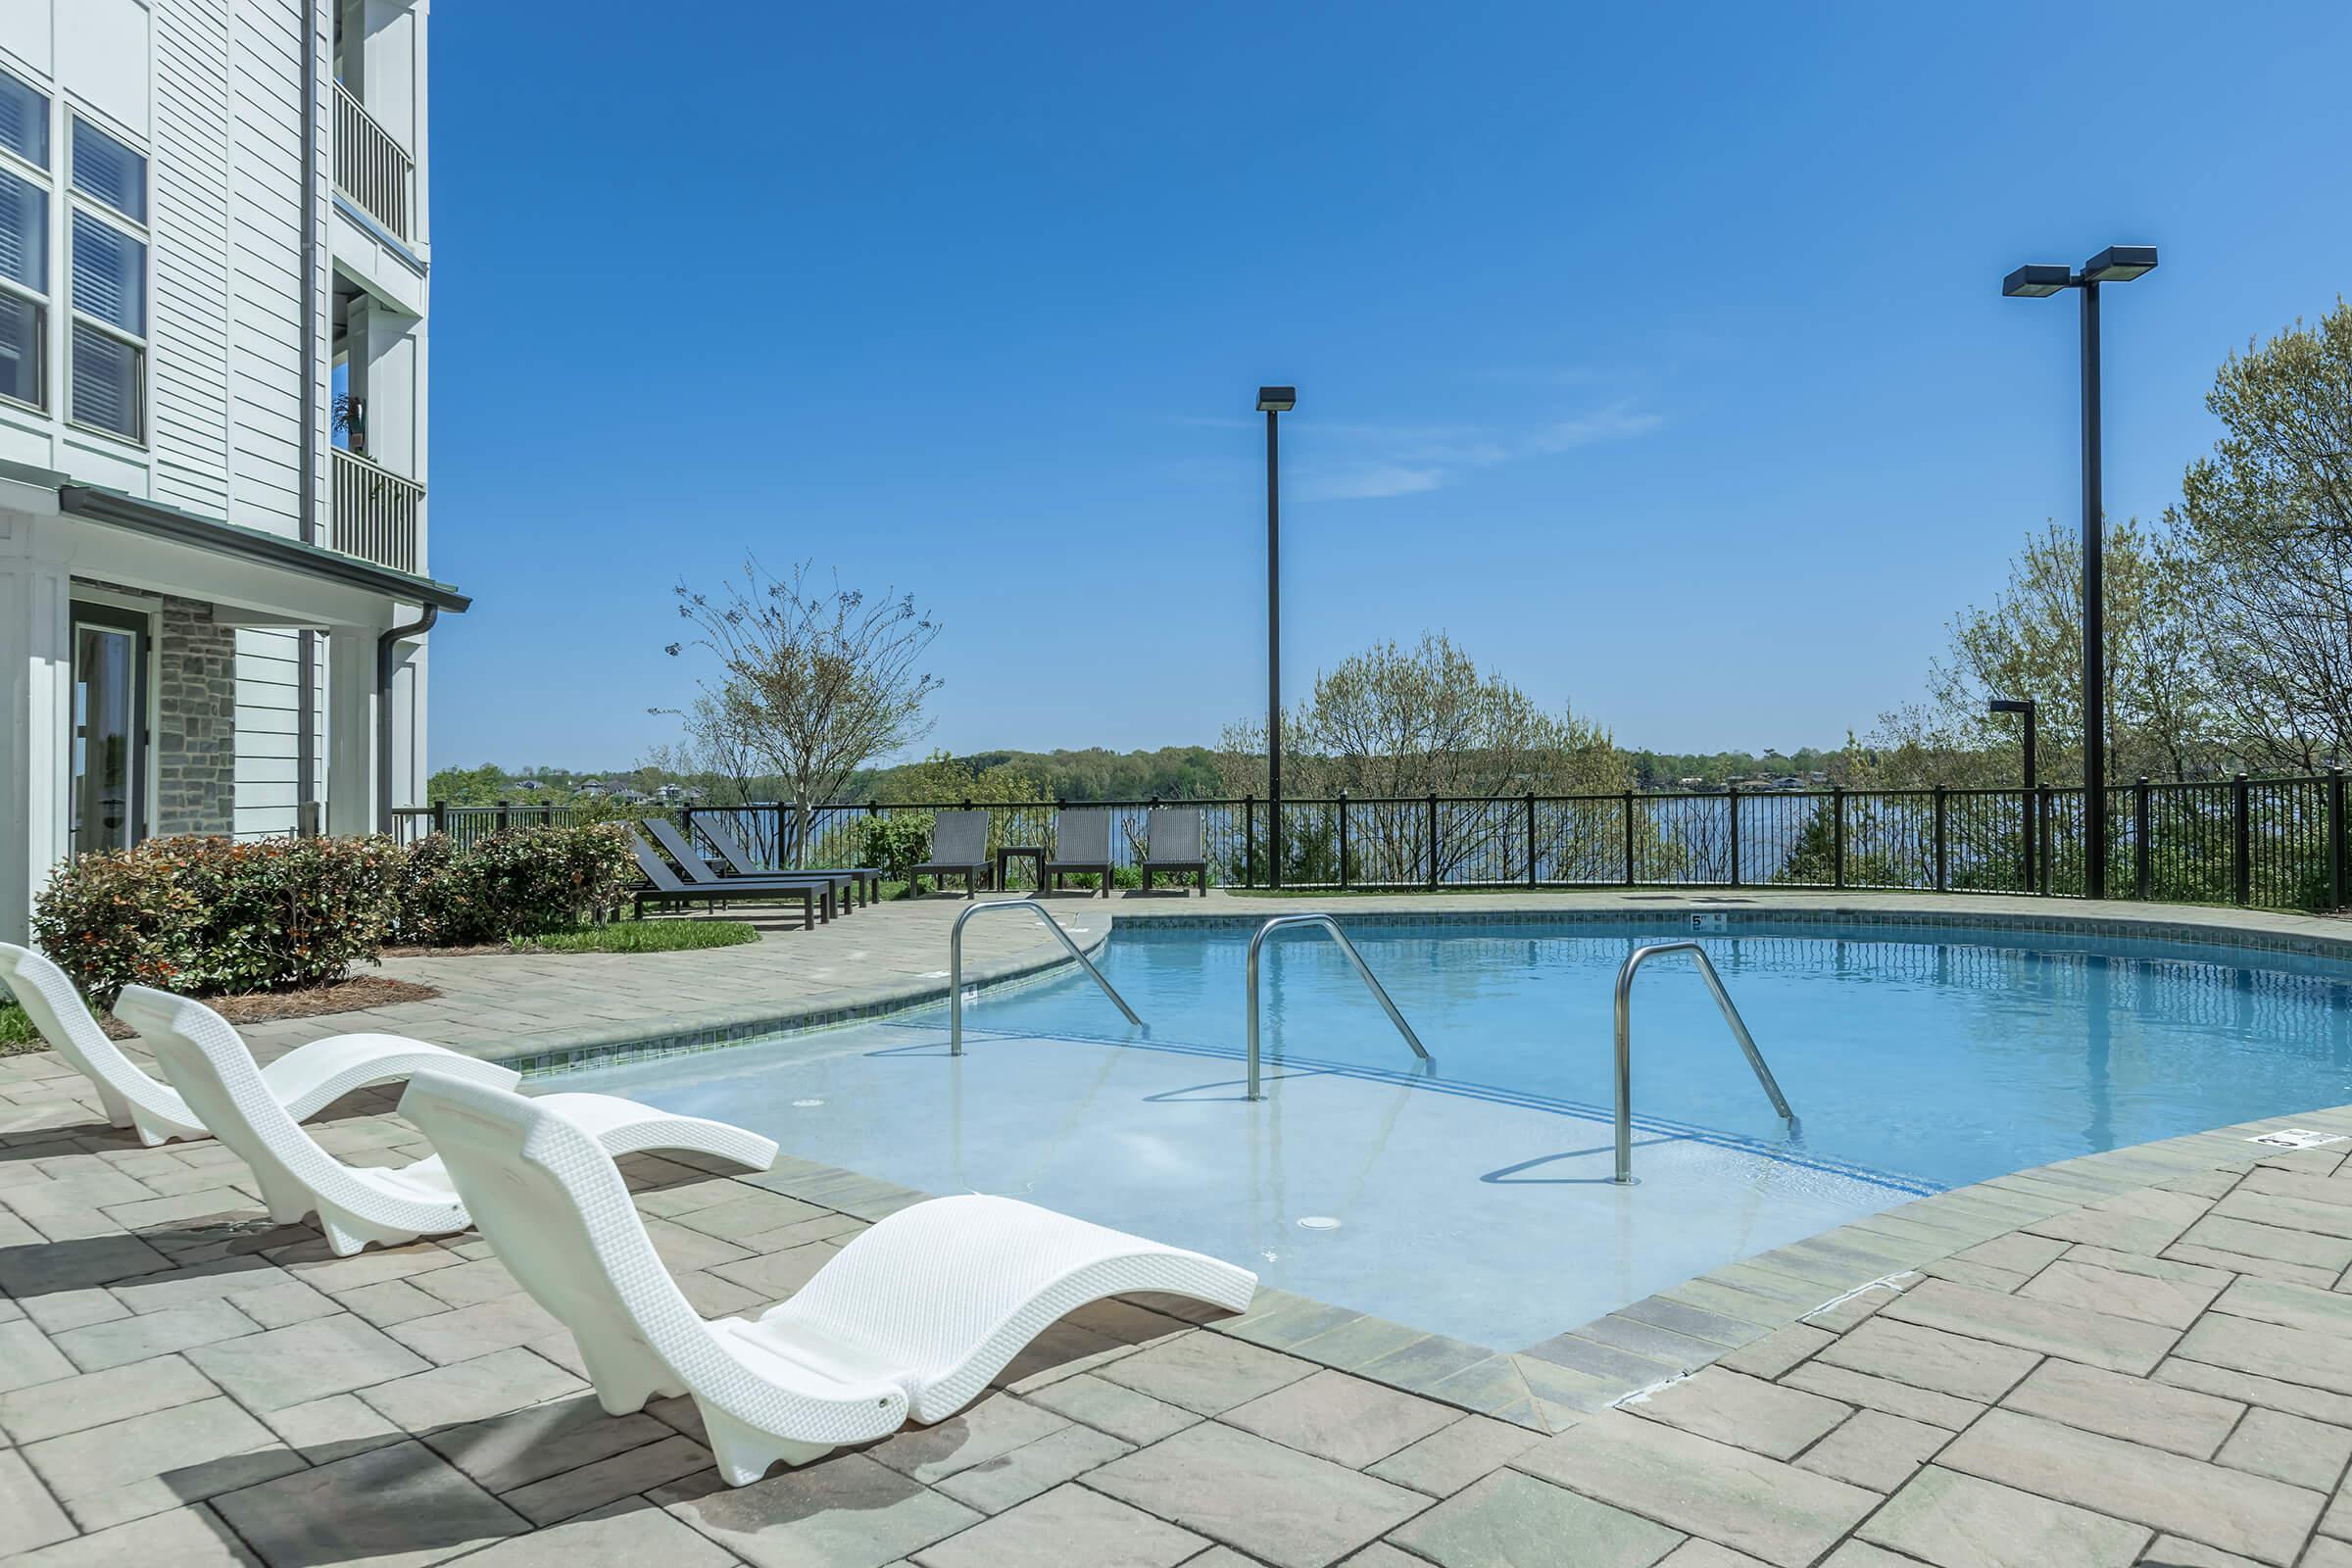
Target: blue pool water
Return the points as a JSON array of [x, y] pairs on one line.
[[1472, 1195]]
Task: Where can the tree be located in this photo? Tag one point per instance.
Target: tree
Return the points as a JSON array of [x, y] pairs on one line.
[[815, 684], [2028, 643], [2266, 522], [1395, 723]]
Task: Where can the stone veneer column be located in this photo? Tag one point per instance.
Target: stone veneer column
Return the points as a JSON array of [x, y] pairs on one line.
[[195, 722]]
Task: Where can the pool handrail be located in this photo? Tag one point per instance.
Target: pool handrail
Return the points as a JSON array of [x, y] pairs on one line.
[[1327, 923], [1625, 1043], [956, 965]]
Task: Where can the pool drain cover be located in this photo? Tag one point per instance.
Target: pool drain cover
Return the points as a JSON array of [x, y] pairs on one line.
[[806, 1104], [1318, 1222]]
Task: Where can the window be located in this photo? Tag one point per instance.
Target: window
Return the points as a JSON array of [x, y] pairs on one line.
[[108, 354], [23, 122], [24, 244]]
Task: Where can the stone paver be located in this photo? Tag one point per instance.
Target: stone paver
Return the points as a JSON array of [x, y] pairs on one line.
[[1071, 1525], [1511, 1518], [1744, 1412], [1956, 1521], [847, 1513], [1875, 1450], [1342, 1418]]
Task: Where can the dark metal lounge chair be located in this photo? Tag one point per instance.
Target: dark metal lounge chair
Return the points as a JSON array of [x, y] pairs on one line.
[[680, 848], [666, 888], [1172, 846], [740, 862], [959, 848], [1081, 846]]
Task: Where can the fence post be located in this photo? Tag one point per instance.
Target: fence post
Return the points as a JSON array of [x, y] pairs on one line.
[[440, 816], [1733, 791], [1432, 841], [1531, 838], [1342, 841], [506, 815], [1629, 838], [2335, 837], [1944, 880], [1837, 834], [2241, 841], [2042, 827], [1248, 841], [2143, 849], [2024, 806]]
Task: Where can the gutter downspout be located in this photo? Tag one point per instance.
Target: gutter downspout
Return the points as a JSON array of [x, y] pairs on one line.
[[383, 709], [306, 702]]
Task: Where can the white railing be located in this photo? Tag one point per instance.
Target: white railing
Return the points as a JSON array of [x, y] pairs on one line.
[[372, 170], [377, 513]]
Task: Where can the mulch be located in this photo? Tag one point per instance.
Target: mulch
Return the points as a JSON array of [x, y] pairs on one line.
[[310, 1001]]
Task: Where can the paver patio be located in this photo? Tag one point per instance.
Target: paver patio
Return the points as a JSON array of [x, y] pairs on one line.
[[2126, 1358]]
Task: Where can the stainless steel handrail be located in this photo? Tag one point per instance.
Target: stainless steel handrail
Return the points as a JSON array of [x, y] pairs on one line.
[[956, 965], [1625, 1043], [1349, 948]]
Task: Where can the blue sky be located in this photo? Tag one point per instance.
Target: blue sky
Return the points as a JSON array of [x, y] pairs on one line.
[[1655, 353]]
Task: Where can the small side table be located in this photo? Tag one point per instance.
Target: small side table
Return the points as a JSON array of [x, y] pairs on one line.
[[1034, 853]]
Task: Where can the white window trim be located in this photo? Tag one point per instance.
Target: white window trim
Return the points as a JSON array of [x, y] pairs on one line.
[[43, 179], [141, 344]]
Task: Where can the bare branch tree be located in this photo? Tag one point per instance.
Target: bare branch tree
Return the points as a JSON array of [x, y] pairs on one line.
[[815, 683]]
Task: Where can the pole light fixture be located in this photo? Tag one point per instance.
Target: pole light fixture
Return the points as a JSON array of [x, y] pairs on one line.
[[1273, 402], [2024, 708], [2117, 264]]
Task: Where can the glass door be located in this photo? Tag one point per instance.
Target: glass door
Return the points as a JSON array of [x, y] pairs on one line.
[[110, 728]]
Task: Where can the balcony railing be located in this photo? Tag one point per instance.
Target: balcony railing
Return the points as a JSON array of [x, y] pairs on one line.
[[377, 513], [373, 168]]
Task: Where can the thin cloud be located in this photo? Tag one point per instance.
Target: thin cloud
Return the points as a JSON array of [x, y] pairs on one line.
[[1618, 423], [1373, 483]]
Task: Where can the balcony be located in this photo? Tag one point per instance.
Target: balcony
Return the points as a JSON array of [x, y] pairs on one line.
[[377, 513], [371, 169]]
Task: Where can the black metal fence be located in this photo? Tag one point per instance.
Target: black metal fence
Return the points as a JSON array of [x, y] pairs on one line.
[[2276, 842]]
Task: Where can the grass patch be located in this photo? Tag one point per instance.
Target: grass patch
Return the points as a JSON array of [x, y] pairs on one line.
[[643, 935], [17, 1033]]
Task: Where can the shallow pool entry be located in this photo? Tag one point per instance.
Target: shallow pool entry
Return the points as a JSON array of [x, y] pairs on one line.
[[1473, 1195]]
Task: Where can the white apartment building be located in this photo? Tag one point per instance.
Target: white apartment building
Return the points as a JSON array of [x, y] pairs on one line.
[[215, 565]]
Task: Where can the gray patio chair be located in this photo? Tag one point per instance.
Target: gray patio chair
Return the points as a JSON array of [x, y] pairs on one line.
[[1081, 846], [959, 848], [665, 887], [739, 862], [863, 882], [1172, 846]]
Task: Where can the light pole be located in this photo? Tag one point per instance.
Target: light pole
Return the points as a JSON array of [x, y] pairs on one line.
[[1274, 402], [2117, 264], [2024, 706]]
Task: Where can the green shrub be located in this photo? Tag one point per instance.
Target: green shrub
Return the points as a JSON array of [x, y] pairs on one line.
[[522, 882], [214, 914], [897, 843], [437, 899]]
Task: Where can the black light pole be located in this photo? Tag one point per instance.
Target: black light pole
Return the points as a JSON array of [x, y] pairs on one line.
[[2117, 264], [2024, 706], [1273, 402]]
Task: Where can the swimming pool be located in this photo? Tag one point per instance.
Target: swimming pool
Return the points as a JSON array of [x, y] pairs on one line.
[[1471, 1197]]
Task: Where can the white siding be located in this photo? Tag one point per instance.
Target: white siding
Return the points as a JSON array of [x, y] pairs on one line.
[[265, 210], [191, 254], [268, 696]]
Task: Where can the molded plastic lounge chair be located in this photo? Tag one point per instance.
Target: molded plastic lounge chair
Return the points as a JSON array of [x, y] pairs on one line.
[[959, 848], [1172, 845], [304, 1081], [740, 863], [668, 888], [841, 883], [1081, 846], [912, 1318], [216, 1074]]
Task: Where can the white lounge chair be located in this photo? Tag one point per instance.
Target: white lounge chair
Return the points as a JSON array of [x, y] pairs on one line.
[[217, 1075], [305, 1080], [910, 1319]]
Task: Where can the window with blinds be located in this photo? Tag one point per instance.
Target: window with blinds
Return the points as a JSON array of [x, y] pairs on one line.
[[23, 242], [106, 353]]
